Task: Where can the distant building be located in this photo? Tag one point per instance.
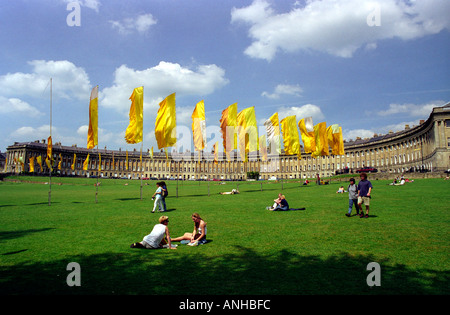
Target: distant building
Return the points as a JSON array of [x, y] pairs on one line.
[[422, 148]]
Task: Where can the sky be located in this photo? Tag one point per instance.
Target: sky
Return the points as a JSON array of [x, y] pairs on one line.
[[369, 66]]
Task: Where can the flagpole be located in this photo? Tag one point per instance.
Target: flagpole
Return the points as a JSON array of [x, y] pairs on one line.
[[96, 185], [142, 142], [142, 145], [50, 168]]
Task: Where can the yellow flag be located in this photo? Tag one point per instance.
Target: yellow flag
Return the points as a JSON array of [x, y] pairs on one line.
[[273, 133], [340, 150], [21, 162], [199, 126], [166, 123], [134, 132], [228, 126], [86, 163], [59, 163], [39, 160], [263, 148], [49, 148], [333, 138], [92, 137], [307, 133], [167, 156], [99, 162], [320, 133], [291, 139], [48, 162], [73, 162], [151, 153], [32, 164], [216, 152], [248, 132]]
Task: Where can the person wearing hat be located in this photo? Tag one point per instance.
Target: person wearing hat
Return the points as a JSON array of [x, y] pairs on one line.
[[352, 197], [155, 239]]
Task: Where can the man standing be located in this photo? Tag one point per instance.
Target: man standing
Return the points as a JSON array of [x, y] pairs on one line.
[[364, 190]]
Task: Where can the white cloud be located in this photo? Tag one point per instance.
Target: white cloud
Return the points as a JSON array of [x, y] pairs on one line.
[[59, 134], [15, 105], [284, 89], [412, 110], [308, 110], [141, 24], [354, 133], [160, 81], [68, 81], [337, 27]]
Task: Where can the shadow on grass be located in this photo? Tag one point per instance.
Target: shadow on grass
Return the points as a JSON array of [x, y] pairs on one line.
[[8, 235], [244, 272], [128, 199]]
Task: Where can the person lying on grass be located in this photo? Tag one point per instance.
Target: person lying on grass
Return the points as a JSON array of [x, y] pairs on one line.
[[232, 192], [198, 236], [156, 239]]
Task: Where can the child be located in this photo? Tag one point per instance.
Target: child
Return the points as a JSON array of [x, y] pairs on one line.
[[352, 197], [158, 198]]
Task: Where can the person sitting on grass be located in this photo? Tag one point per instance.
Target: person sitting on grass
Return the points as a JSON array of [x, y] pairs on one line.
[[198, 236], [340, 190], [280, 204], [155, 239]]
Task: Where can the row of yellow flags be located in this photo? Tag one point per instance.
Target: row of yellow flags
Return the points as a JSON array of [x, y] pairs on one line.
[[316, 138], [50, 161]]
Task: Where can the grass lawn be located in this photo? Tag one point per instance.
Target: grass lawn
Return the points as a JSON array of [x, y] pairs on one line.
[[252, 250]]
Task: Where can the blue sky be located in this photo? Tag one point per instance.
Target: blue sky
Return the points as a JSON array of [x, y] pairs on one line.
[[303, 58]]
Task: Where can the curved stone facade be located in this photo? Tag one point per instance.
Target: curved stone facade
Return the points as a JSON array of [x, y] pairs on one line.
[[422, 148]]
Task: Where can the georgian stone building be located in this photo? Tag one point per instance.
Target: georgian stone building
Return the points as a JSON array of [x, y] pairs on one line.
[[422, 148]]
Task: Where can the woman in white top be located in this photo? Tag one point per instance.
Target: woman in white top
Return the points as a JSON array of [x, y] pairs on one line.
[[158, 198], [155, 239], [198, 236]]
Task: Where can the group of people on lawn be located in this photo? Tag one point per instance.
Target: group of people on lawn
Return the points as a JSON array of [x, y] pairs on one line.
[[159, 237]]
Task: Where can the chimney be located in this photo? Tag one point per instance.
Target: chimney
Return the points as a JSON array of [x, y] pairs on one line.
[[391, 132], [358, 138], [406, 127], [43, 141], [421, 121]]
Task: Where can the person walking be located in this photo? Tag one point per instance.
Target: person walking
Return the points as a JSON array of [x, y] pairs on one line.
[[157, 196], [364, 190], [352, 197]]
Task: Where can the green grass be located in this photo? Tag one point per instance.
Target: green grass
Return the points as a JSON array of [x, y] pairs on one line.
[[253, 251]]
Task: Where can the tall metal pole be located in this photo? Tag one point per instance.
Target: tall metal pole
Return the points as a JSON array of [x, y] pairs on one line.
[[50, 162], [99, 167], [142, 144]]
